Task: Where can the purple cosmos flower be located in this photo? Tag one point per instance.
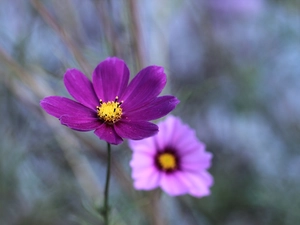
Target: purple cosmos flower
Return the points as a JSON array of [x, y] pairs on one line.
[[174, 160], [110, 106]]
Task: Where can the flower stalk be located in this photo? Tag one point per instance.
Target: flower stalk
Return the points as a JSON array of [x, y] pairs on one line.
[[106, 208]]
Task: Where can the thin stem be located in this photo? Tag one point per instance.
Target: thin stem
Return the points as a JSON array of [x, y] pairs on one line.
[[137, 34], [106, 204], [49, 19]]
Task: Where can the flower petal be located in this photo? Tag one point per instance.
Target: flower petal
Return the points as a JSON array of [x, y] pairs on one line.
[[110, 79], [146, 145], [145, 86], [183, 137], [171, 184], [141, 159], [180, 136], [188, 142], [58, 106], [107, 133], [80, 88], [80, 123], [135, 130], [146, 178], [191, 178], [199, 184], [170, 129], [159, 107], [196, 161]]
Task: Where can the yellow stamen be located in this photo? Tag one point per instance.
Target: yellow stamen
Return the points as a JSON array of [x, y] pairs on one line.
[[167, 161], [110, 112]]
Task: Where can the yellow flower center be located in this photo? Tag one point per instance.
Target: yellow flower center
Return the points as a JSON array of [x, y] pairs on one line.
[[167, 161], [110, 112]]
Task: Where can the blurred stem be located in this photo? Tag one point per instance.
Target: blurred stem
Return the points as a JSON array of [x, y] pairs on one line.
[[137, 33], [155, 208], [104, 11], [57, 27], [105, 211]]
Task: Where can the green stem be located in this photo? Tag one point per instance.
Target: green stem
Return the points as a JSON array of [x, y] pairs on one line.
[[106, 205]]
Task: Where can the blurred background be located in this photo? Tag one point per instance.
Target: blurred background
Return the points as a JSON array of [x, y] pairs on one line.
[[234, 64]]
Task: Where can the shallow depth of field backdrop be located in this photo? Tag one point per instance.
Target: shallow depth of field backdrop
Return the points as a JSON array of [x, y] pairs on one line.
[[234, 64]]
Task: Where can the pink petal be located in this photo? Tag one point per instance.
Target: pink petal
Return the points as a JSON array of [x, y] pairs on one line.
[[189, 143], [146, 178], [144, 87], [107, 133], [196, 158], [81, 88], [173, 185], [146, 145], [199, 183], [207, 177], [167, 130], [141, 159], [158, 108], [110, 79], [135, 130], [180, 136], [196, 166], [58, 106], [184, 137]]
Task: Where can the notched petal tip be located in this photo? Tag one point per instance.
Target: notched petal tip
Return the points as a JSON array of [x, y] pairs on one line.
[[107, 133], [58, 106], [176, 101], [144, 87], [80, 88], [42, 102], [53, 105], [113, 59], [110, 78]]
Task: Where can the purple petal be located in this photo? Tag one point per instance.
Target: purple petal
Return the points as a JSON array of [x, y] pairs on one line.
[[107, 133], [145, 179], [80, 123], [135, 130], [81, 88], [172, 185], [110, 79], [145, 86], [160, 107], [59, 106]]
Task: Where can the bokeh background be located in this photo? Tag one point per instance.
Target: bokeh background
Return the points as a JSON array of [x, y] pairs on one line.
[[235, 66]]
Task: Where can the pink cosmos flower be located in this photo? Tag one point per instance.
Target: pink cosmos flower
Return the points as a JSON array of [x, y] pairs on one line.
[[174, 159], [108, 105]]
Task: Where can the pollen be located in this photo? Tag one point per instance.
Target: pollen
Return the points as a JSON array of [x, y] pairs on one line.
[[167, 161], [110, 112]]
